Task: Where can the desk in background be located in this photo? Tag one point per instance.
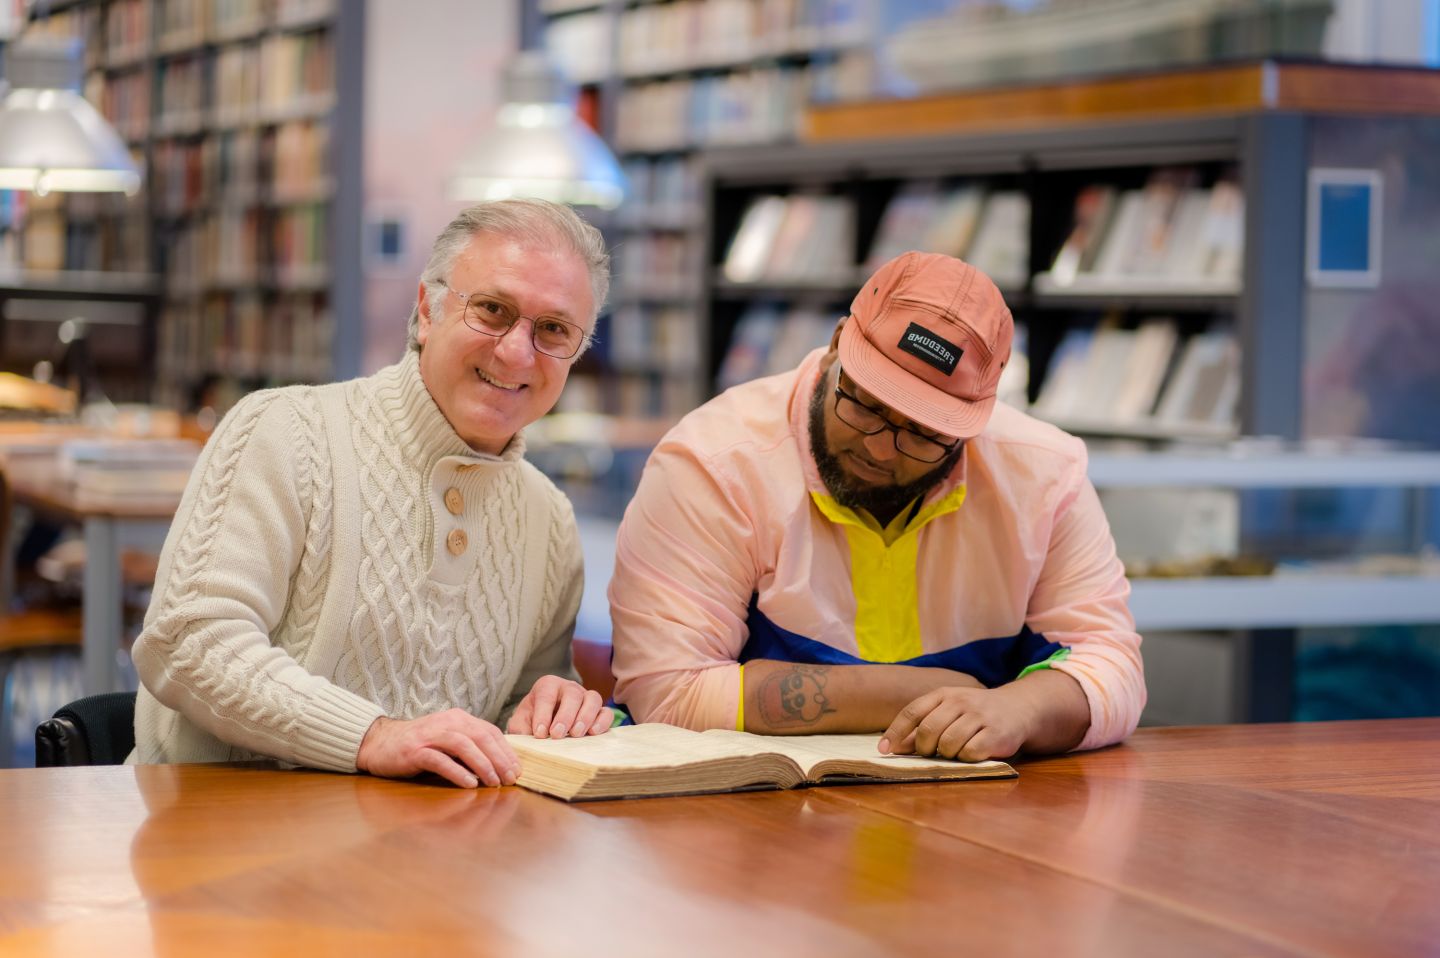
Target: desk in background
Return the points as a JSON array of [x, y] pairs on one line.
[[1240, 840], [39, 481], [101, 597]]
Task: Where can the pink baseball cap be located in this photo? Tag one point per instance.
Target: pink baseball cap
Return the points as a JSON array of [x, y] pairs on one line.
[[929, 336]]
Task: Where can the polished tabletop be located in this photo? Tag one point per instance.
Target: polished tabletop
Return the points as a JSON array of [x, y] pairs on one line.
[[1306, 839]]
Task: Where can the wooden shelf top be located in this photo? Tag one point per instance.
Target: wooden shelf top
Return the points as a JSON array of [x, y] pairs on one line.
[[1203, 91]]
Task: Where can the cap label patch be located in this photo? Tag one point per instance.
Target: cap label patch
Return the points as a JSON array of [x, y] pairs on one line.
[[931, 349]]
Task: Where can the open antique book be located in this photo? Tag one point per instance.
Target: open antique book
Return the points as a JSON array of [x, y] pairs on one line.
[[639, 761]]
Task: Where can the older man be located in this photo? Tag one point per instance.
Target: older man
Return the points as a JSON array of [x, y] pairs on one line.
[[368, 575], [871, 543]]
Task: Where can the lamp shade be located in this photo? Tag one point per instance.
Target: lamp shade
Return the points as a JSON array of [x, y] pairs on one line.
[[538, 147], [51, 138]]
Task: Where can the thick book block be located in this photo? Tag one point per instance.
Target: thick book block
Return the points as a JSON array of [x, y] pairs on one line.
[[641, 761]]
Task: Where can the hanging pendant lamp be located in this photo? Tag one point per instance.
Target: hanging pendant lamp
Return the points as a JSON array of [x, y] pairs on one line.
[[538, 147], [51, 138]]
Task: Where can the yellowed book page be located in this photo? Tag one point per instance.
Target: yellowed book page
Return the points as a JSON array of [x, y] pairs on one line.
[[810, 750], [651, 745]]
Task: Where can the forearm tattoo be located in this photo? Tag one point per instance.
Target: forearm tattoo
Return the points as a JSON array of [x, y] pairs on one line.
[[794, 697]]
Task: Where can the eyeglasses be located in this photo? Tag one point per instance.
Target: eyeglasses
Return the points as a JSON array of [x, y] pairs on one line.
[[869, 420], [492, 316]]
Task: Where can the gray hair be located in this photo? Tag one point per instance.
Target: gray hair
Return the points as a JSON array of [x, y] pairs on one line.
[[537, 222]]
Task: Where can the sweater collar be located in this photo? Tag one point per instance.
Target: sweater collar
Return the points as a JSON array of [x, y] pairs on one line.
[[421, 429]]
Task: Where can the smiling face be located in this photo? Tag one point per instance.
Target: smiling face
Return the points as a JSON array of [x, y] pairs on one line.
[[489, 387]]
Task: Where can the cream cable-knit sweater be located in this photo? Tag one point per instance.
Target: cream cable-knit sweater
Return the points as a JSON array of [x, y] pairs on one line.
[[313, 579]]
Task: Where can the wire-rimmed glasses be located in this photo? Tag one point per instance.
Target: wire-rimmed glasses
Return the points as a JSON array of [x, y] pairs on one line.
[[494, 316]]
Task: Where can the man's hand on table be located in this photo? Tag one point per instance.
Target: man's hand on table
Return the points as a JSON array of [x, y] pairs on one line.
[[453, 744]]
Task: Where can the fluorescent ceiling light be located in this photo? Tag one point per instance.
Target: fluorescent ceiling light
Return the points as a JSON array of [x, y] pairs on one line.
[[538, 147], [51, 138]]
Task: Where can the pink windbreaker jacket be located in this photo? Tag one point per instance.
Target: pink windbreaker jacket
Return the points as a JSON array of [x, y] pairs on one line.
[[732, 550]]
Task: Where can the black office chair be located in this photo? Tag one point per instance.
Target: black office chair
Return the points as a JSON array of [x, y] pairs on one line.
[[96, 730]]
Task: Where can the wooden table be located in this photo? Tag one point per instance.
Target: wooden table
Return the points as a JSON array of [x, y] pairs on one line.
[[1316, 839], [101, 589]]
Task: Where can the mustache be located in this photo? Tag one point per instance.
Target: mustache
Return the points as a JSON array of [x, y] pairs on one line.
[[850, 490], [866, 460]]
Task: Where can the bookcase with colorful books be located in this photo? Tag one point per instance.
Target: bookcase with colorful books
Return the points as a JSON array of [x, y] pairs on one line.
[[1124, 272], [237, 111]]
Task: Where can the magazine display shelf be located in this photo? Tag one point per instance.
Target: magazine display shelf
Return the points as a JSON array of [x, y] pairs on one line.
[[1249, 124]]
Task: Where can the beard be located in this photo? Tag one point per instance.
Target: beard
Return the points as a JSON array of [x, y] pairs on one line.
[[883, 502]]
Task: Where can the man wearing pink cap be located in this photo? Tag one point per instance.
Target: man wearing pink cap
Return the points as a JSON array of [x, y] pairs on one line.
[[871, 543]]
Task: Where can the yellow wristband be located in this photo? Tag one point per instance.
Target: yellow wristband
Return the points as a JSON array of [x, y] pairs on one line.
[[740, 711]]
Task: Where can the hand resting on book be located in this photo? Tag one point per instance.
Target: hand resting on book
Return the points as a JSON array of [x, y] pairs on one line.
[[1043, 712], [557, 707], [466, 750]]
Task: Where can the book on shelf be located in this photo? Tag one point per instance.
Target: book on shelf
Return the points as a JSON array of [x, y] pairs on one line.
[[800, 238], [1108, 375], [644, 337], [903, 223], [827, 253], [641, 761], [750, 344], [1151, 354], [1222, 238], [952, 229], [750, 247], [1183, 256], [768, 340], [804, 329], [1171, 234], [1001, 247], [1205, 388], [1105, 369], [923, 217], [1094, 209], [1118, 248], [1062, 394], [1156, 235], [799, 227]]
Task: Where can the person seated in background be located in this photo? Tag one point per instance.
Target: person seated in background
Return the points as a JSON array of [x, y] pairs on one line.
[[871, 543], [368, 575]]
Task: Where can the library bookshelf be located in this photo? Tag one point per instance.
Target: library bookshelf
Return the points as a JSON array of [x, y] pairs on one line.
[[1207, 275], [245, 117], [665, 82]]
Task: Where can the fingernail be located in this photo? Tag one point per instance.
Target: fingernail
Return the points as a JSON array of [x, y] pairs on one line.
[[510, 776], [471, 781], [557, 731], [884, 746], [539, 731]]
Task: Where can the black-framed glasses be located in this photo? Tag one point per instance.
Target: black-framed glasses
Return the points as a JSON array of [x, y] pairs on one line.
[[489, 314], [869, 420]]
